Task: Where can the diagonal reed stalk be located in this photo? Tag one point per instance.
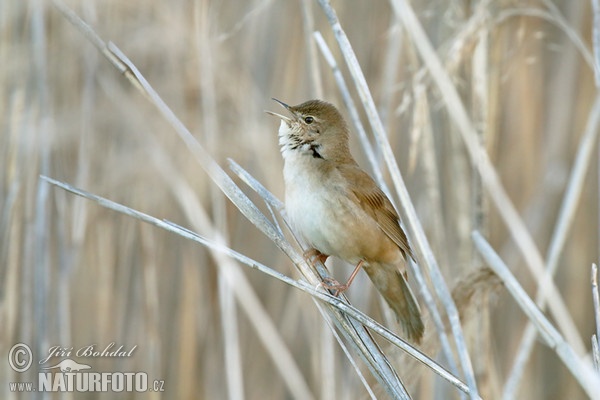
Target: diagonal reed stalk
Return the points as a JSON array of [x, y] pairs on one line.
[[422, 248], [582, 371], [312, 290], [377, 172], [335, 309], [467, 77], [479, 157], [564, 222], [596, 301], [237, 297], [567, 211]]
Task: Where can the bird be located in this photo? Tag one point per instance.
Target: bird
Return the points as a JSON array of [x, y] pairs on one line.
[[340, 211]]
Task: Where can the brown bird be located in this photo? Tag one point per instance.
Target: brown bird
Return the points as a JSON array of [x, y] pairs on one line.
[[338, 208]]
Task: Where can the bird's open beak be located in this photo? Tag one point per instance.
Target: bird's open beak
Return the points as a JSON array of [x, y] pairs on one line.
[[288, 120]]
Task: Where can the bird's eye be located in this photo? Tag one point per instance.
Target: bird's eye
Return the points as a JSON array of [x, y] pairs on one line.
[[309, 120]]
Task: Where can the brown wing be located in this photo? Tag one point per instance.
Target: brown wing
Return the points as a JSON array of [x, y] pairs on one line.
[[375, 203]]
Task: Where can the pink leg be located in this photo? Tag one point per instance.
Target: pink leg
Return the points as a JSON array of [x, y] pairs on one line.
[[314, 253], [332, 284]]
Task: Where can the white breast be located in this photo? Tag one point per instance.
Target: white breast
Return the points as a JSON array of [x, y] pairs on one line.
[[304, 196], [318, 206], [317, 211]]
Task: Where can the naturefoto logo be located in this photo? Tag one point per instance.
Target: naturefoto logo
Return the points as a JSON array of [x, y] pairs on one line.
[[69, 366], [70, 375]]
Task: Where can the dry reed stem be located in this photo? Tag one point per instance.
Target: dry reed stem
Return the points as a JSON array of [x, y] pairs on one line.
[[490, 178], [316, 293], [596, 352], [352, 110], [391, 66], [580, 370], [231, 344], [265, 194], [295, 382], [565, 218], [476, 152], [308, 24], [596, 302], [422, 248], [282, 359], [527, 67], [561, 231], [378, 365], [423, 123]]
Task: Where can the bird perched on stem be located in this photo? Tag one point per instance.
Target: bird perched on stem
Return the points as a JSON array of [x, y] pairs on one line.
[[339, 209]]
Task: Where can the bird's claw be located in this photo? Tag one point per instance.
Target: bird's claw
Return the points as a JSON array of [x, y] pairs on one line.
[[332, 284]]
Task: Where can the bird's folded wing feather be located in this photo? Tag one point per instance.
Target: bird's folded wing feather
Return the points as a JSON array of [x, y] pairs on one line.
[[376, 204]]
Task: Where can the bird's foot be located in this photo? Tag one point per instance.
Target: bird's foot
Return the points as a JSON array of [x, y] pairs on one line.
[[314, 254], [332, 284], [335, 286]]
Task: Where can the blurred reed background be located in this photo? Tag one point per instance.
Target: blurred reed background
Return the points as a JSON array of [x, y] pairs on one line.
[[73, 273]]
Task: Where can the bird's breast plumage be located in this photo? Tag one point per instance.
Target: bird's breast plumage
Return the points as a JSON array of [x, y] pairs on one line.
[[323, 212]]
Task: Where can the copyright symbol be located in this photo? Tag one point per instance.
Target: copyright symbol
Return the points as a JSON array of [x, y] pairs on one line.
[[20, 357]]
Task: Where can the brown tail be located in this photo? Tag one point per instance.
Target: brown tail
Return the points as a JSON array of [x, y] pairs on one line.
[[395, 290]]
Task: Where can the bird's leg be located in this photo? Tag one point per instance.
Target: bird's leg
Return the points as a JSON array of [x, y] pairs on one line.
[[332, 284], [329, 283], [316, 254]]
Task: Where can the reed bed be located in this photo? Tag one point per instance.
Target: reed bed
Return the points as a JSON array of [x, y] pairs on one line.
[[142, 194]]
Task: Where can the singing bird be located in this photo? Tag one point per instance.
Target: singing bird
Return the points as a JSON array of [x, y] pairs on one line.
[[339, 209]]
